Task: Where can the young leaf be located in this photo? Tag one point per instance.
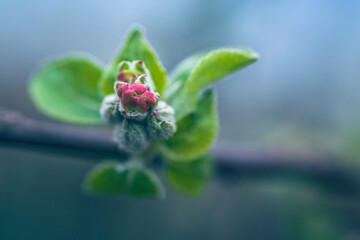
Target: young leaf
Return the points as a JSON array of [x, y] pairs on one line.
[[136, 47], [191, 177], [141, 182], [106, 178], [199, 71], [180, 75], [113, 178], [195, 132], [216, 65], [182, 71], [66, 89]]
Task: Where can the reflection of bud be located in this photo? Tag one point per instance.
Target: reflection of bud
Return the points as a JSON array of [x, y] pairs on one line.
[[109, 110], [130, 136], [136, 99], [161, 122]]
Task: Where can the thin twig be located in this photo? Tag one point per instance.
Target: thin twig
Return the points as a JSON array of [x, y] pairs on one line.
[[247, 162]]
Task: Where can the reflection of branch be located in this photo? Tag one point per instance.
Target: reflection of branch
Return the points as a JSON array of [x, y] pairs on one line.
[[95, 144]]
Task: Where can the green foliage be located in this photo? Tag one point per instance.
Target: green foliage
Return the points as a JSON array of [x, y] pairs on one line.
[[216, 65], [106, 178], [136, 47], [199, 71], [191, 177], [310, 217], [195, 132], [180, 75], [349, 144], [66, 89], [182, 126], [113, 178]]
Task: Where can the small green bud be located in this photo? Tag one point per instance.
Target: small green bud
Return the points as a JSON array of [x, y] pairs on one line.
[[140, 66], [124, 65], [133, 78], [109, 110], [144, 80], [130, 136], [128, 72], [161, 122]]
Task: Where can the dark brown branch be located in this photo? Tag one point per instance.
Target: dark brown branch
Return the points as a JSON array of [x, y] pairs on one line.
[[91, 143], [242, 162]]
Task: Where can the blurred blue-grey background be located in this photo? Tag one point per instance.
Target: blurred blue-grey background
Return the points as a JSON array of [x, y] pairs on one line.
[[301, 94]]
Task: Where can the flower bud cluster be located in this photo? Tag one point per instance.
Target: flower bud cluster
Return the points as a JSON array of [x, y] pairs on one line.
[[136, 99], [130, 136], [135, 110], [161, 122]]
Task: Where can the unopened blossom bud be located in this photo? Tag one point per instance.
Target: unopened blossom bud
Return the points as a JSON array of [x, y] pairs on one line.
[[124, 65], [136, 99], [129, 71], [161, 122], [130, 136], [109, 110]]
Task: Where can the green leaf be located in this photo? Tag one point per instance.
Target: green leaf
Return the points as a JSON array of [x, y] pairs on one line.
[[113, 178], [195, 132], [136, 47], [142, 182], [183, 70], [199, 71], [216, 65], [106, 178], [189, 178], [180, 74], [66, 89]]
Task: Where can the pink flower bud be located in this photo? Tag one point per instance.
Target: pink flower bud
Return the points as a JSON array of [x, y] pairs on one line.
[[138, 88], [125, 76], [129, 100], [148, 98], [121, 89], [137, 97], [128, 72]]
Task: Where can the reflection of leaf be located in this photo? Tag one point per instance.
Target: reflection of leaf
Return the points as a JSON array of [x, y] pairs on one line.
[[67, 89], [112, 178], [304, 211], [189, 177], [311, 220], [195, 132], [349, 145], [136, 47]]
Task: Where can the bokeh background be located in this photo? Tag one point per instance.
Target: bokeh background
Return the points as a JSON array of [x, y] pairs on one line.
[[303, 94]]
